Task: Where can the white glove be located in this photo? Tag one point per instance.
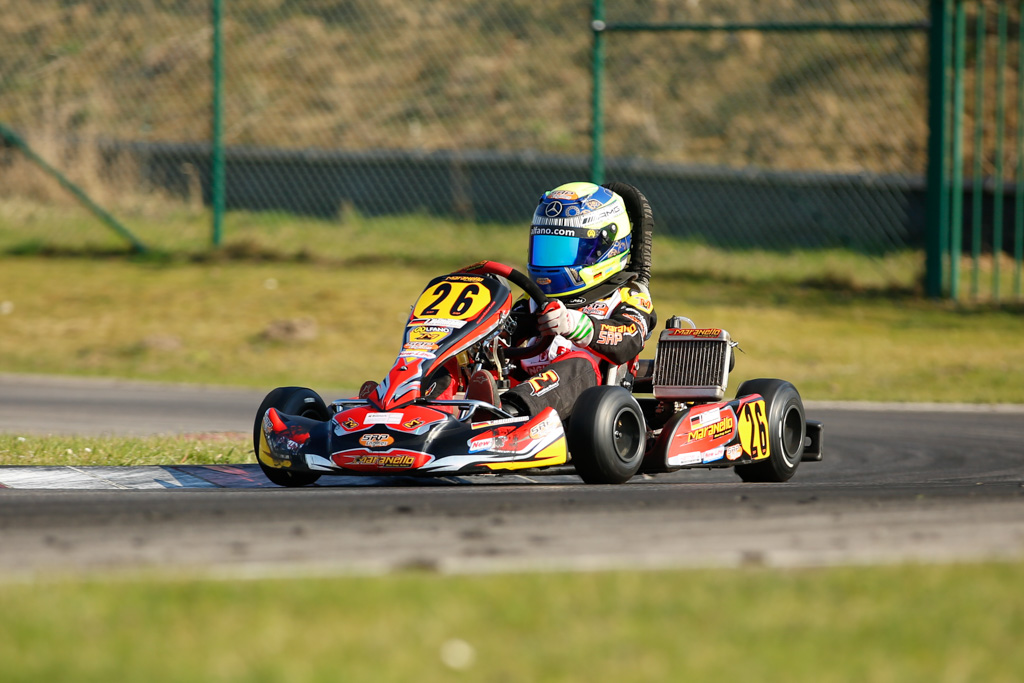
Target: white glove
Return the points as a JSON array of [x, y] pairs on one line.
[[573, 325]]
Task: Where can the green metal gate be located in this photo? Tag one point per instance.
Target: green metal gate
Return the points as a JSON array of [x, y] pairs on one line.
[[976, 160]]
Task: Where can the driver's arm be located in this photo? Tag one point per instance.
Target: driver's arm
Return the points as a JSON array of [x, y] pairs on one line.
[[621, 337]]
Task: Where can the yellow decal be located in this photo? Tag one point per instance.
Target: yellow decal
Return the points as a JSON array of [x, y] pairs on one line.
[[266, 457], [452, 301], [753, 430], [638, 299], [555, 454], [543, 383], [426, 333], [712, 431]]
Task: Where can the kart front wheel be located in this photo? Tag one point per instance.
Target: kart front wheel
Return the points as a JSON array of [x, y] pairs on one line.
[[291, 401], [787, 426], [607, 435]]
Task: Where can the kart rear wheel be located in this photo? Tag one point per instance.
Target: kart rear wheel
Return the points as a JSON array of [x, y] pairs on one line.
[[787, 427], [291, 401], [607, 435]]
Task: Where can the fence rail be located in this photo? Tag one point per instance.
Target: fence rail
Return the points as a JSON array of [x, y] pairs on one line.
[[773, 124]]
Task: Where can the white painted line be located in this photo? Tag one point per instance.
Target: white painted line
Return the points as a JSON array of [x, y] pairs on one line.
[[49, 478]]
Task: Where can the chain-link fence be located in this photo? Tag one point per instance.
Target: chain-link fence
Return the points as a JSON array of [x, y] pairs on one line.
[[772, 123]]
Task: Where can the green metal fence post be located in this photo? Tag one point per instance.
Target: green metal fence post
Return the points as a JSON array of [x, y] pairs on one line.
[[957, 201], [997, 209], [979, 149], [597, 25], [1018, 216], [938, 195], [217, 155]]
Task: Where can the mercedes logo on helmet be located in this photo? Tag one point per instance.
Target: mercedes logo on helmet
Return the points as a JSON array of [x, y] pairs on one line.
[[553, 209]]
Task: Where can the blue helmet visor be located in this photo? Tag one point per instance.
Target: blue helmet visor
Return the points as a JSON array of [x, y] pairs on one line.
[[547, 251]]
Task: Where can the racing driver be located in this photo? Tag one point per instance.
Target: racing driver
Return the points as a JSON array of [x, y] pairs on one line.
[[590, 253]]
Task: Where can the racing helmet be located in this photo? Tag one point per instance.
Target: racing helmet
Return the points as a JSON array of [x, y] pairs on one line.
[[579, 237]]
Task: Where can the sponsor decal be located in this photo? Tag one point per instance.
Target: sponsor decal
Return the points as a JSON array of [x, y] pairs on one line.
[[414, 346], [734, 452], [543, 281], [413, 423], [614, 334], [428, 333], [714, 454], [640, 300], [567, 195], [464, 278], [481, 443], [592, 204], [350, 424], [709, 332], [437, 322], [394, 459], [706, 418], [640, 322], [541, 430], [598, 309], [376, 440], [559, 232], [712, 431], [553, 209], [382, 461], [572, 217], [684, 459], [495, 423], [543, 383], [382, 418], [413, 353]]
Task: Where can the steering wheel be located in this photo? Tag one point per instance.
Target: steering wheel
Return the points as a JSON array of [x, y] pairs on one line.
[[524, 282]]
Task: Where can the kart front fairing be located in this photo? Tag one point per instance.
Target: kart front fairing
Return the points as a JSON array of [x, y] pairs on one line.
[[396, 429]]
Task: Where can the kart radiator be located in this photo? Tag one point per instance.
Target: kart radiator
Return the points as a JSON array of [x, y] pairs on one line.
[[692, 364]]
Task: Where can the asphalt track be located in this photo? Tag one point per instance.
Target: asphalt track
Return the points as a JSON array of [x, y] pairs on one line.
[[898, 483]]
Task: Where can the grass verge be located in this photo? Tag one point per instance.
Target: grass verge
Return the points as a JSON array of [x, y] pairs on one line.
[[111, 451], [907, 623], [300, 301]]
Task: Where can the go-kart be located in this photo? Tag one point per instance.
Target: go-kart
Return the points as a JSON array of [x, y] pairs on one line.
[[462, 324]]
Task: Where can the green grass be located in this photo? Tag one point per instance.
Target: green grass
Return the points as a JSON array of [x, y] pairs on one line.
[[884, 624], [82, 451], [838, 324]]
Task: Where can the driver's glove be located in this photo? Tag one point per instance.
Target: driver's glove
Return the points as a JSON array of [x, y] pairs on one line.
[[575, 326]]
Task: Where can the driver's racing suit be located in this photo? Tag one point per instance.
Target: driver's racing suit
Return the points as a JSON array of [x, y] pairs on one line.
[[623, 320]]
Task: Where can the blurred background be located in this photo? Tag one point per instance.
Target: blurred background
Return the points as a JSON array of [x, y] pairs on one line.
[[773, 124], [791, 125], [814, 149]]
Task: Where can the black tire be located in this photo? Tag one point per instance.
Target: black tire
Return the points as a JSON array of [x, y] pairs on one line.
[[787, 428], [607, 435], [291, 401]]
